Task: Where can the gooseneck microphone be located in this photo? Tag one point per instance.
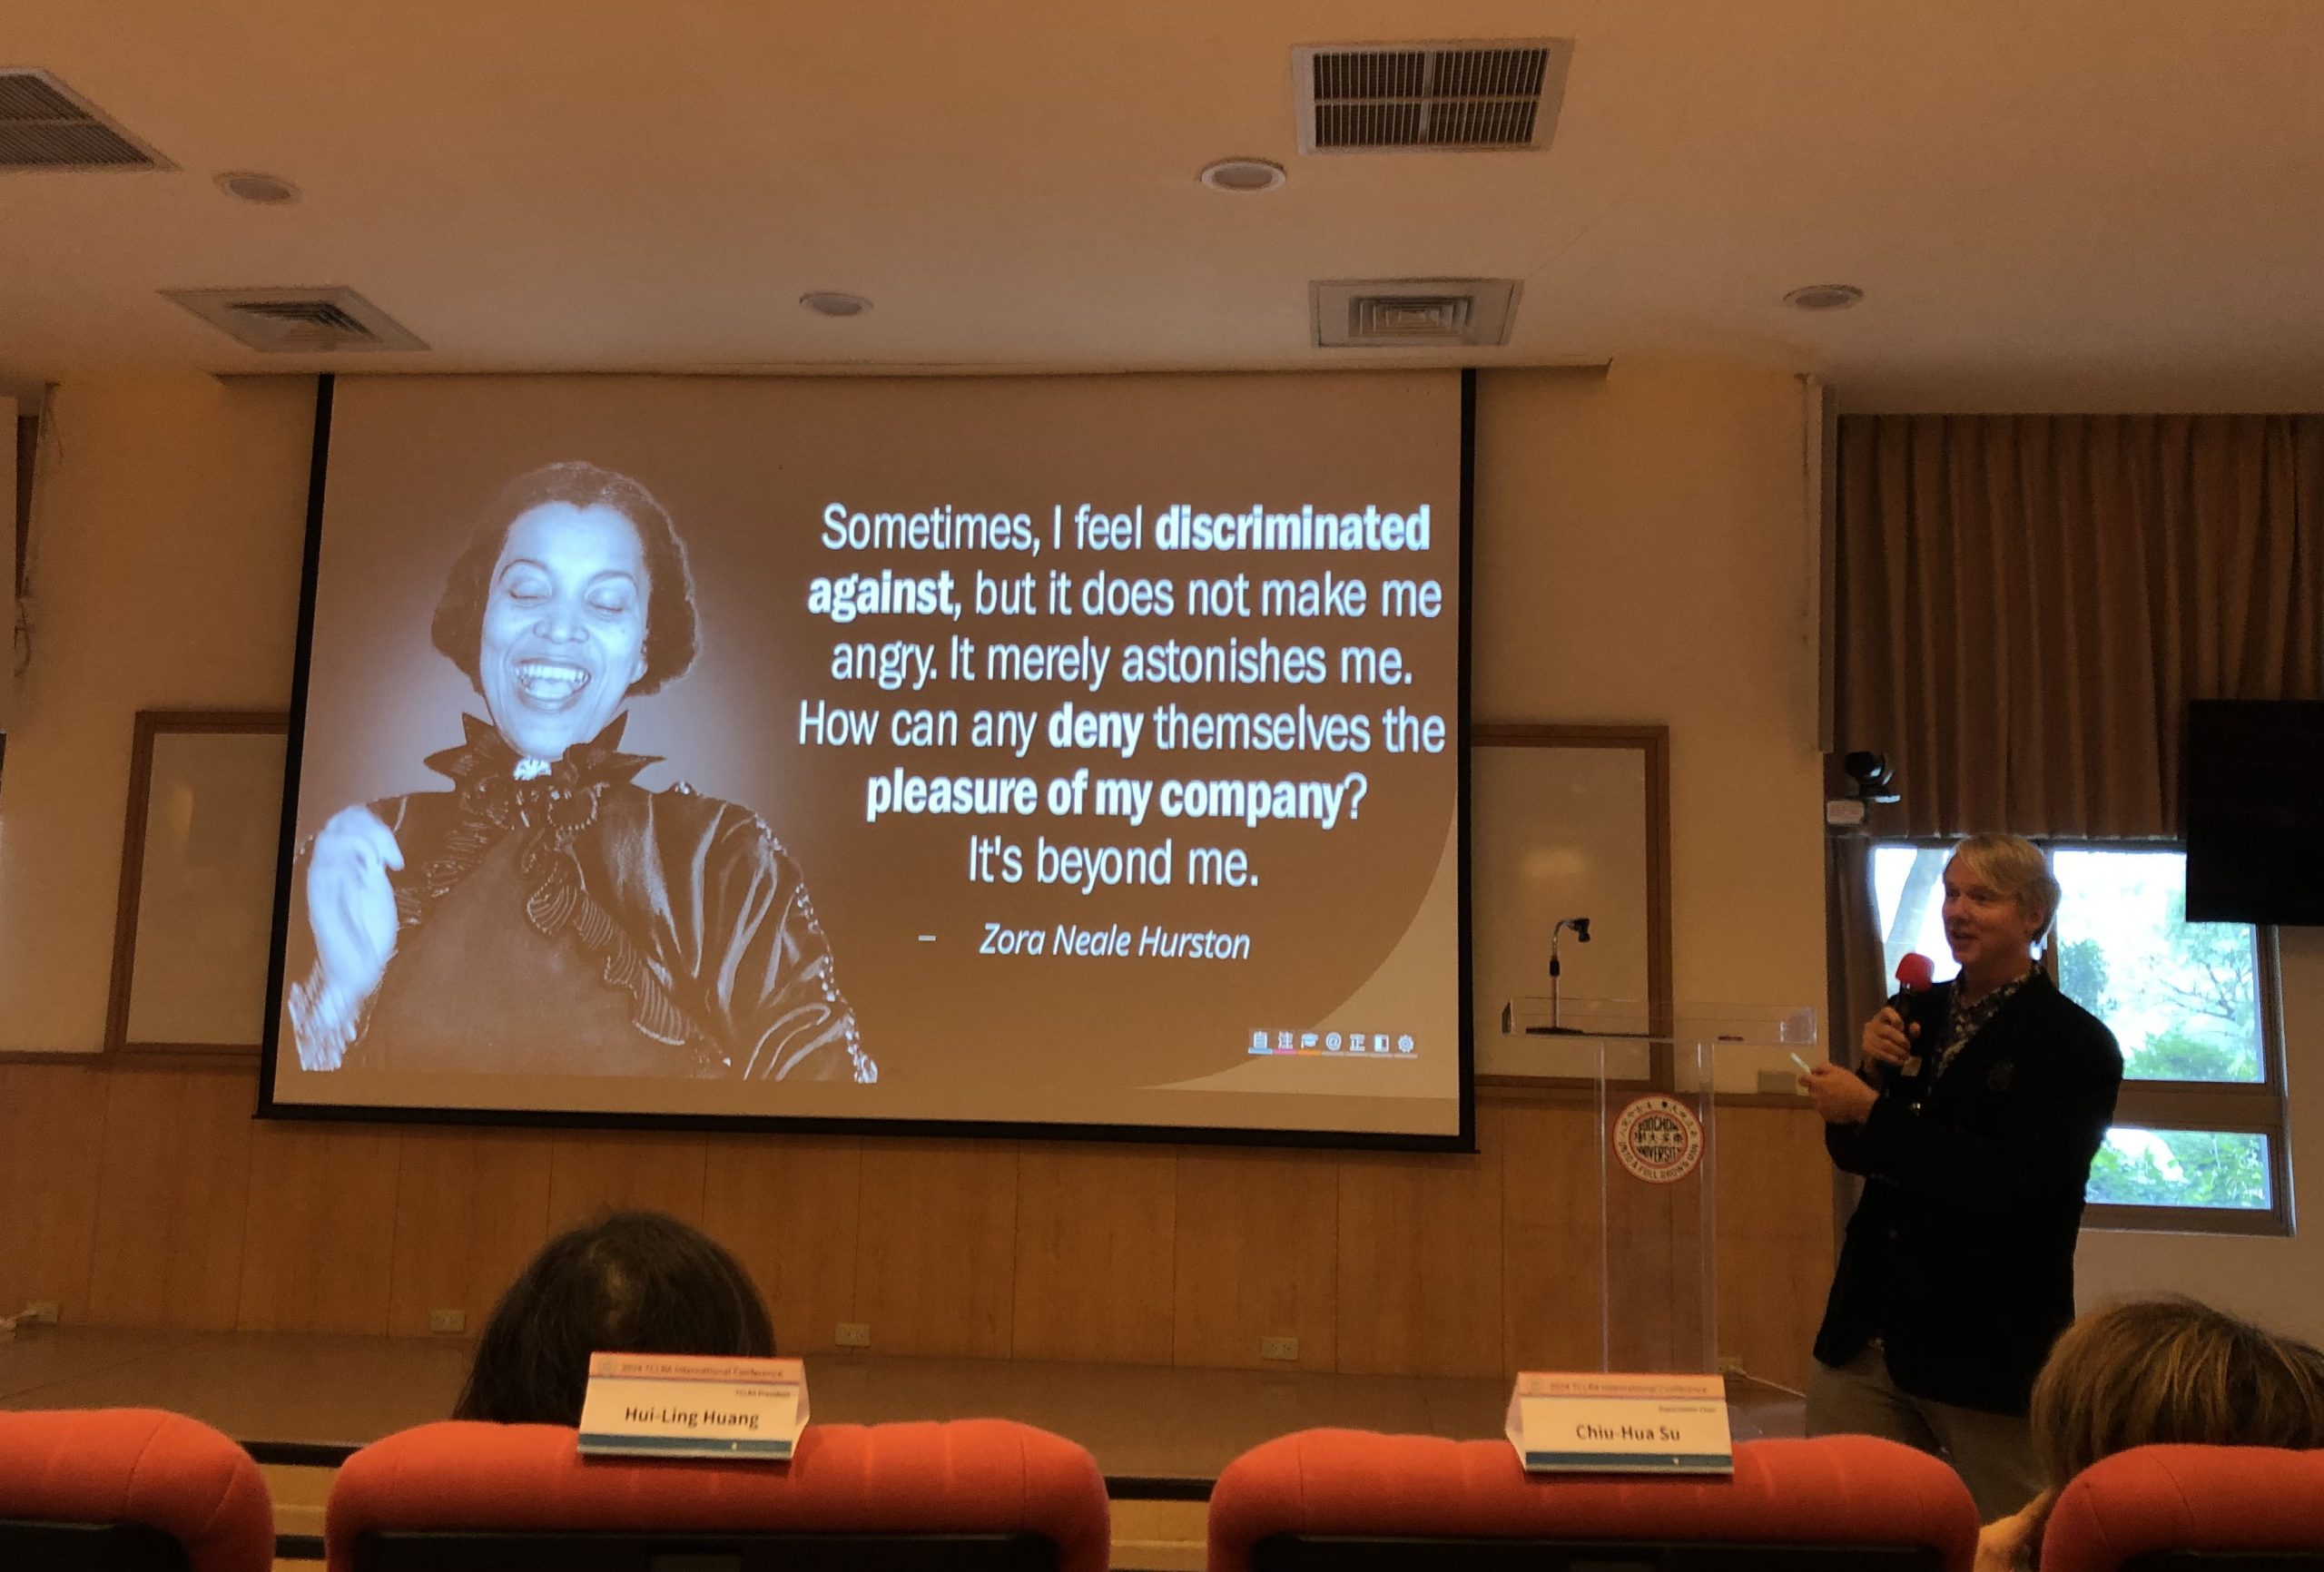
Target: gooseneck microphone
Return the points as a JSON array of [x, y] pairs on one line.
[[1581, 926]]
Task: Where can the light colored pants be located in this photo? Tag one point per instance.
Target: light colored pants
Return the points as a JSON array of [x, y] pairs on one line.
[[1992, 1453]]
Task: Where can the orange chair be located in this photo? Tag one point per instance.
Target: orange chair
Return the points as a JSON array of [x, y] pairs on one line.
[[2218, 1508], [1353, 1501], [129, 1490], [967, 1496]]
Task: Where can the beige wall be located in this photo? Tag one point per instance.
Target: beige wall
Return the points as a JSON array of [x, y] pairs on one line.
[[165, 576], [1642, 556]]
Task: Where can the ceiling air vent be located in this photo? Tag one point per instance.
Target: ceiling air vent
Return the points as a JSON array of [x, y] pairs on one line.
[[1385, 97], [1419, 313], [44, 124], [298, 321]]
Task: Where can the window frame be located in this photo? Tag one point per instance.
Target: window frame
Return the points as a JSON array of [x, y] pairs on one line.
[[2224, 1108]]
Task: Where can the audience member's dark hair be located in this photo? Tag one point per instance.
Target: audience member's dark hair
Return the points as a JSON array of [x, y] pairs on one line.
[[671, 634], [636, 1282]]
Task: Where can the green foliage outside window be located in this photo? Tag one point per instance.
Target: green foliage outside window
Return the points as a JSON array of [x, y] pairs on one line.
[[2082, 976], [2182, 997], [2182, 1168]]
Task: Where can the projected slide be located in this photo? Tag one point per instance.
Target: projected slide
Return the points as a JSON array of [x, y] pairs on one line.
[[1042, 751]]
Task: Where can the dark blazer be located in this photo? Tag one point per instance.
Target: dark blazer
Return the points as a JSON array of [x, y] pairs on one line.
[[1960, 1256]]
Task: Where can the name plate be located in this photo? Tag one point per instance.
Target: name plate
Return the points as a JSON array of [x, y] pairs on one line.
[[1621, 1424], [646, 1405]]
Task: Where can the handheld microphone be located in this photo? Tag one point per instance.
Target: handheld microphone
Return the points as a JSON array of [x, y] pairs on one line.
[[1916, 974]]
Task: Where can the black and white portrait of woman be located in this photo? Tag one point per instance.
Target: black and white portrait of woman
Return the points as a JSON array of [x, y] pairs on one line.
[[544, 914]]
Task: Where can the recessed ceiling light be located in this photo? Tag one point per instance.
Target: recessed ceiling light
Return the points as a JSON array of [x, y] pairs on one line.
[[271, 190], [833, 303], [1824, 297], [1242, 174]]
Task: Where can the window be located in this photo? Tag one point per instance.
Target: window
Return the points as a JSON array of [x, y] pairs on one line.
[[2197, 1141]]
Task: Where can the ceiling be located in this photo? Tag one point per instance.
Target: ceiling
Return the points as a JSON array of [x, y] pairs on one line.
[[2069, 204]]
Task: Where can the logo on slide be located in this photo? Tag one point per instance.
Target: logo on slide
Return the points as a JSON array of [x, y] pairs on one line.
[[1274, 1041], [1659, 1139]]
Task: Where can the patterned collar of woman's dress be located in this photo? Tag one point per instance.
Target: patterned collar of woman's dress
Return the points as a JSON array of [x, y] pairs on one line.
[[549, 808]]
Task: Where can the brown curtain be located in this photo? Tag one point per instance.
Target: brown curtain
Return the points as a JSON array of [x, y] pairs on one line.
[[1855, 969], [2026, 604], [1856, 975]]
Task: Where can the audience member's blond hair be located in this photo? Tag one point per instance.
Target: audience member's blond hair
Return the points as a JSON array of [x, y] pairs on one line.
[[2154, 1373]]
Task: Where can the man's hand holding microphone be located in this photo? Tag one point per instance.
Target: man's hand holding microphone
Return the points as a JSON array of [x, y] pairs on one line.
[[1844, 1096]]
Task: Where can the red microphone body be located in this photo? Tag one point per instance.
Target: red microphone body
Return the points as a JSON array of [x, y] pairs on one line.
[[1916, 975]]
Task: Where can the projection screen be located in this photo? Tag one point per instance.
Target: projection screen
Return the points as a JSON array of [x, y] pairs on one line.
[[1076, 755]]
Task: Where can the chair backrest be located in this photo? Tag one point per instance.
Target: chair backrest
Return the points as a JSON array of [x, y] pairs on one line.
[[2220, 1509], [967, 1496], [1354, 1501], [129, 1490]]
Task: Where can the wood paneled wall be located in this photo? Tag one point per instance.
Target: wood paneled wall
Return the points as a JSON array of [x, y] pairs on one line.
[[147, 1196]]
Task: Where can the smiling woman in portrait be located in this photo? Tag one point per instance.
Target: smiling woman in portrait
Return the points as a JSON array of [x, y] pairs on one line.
[[546, 915]]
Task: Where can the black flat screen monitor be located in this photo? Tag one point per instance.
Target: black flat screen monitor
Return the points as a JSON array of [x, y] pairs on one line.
[[2255, 812]]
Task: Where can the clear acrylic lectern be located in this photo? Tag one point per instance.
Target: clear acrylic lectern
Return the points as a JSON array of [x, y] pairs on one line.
[[1634, 1227]]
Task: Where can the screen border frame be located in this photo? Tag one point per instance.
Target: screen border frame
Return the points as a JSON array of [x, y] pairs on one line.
[[1464, 1141]]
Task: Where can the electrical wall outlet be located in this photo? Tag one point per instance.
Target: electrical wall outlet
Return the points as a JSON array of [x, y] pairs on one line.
[[42, 1311], [447, 1320], [1730, 1365], [852, 1334], [1279, 1347]]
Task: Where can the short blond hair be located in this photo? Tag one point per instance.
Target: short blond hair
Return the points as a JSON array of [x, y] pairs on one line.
[[2159, 1372], [2014, 866]]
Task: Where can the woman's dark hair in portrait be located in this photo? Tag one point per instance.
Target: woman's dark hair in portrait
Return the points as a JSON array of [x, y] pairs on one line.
[[671, 635], [635, 1282]]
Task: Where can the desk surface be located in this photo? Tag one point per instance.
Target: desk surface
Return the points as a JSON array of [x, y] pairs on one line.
[[1141, 1421]]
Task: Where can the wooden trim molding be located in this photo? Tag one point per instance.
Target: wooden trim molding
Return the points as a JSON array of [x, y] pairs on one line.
[[1653, 741], [151, 725]]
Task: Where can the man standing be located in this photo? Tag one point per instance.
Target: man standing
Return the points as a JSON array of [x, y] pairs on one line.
[[1972, 1121]]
